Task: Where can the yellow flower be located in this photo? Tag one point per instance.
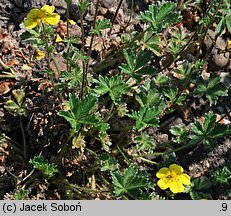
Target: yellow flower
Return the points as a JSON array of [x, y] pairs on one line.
[[49, 16], [229, 44], [72, 22], [172, 178], [58, 39], [33, 18], [39, 55]]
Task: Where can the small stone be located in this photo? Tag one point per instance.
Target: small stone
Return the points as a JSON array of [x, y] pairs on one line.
[[218, 59]]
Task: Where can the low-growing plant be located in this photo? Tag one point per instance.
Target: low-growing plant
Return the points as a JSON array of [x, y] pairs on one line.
[[40, 163], [127, 84]]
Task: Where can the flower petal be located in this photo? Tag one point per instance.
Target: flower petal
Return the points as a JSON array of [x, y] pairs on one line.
[[30, 23], [176, 168], [48, 9], [163, 183], [176, 187], [58, 39], [72, 22], [52, 19], [39, 55], [184, 179], [162, 172], [34, 14]]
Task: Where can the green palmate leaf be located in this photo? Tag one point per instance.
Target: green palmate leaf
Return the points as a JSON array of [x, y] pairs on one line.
[[200, 196], [201, 183], [149, 96], [161, 80], [144, 142], [78, 110], [146, 117], [180, 132], [152, 43], [73, 78], [221, 176], [208, 131], [83, 5], [137, 65], [174, 48], [183, 71], [131, 182], [43, 165], [115, 86], [108, 163], [161, 16], [171, 94], [211, 88], [220, 26], [101, 25]]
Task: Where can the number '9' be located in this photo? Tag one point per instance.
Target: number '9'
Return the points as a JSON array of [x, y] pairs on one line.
[[224, 206]]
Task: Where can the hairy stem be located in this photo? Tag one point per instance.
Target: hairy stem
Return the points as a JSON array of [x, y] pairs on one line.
[[115, 15], [122, 153], [24, 138], [68, 36]]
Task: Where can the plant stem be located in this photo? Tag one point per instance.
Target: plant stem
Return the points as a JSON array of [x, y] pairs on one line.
[[115, 15], [131, 12], [64, 145], [108, 117], [68, 35], [122, 153], [82, 28], [92, 152], [46, 45], [93, 26], [85, 66], [51, 56], [55, 64], [147, 160], [24, 138], [82, 48]]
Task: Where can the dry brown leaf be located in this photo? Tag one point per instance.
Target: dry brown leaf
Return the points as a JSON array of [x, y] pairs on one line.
[[5, 87]]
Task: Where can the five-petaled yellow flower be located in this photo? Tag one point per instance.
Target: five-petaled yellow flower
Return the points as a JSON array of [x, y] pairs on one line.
[[45, 15], [172, 178]]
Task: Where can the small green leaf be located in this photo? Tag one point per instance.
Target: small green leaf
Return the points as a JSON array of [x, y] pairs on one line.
[[108, 163], [146, 117], [171, 93], [101, 25], [144, 142], [137, 64], [43, 165], [160, 15], [212, 89], [208, 131], [115, 86], [202, 183], [78, 110], [200, 196], [221, 176], [180, 132], [131, 182]]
